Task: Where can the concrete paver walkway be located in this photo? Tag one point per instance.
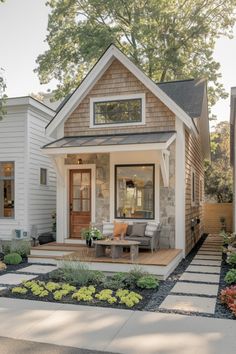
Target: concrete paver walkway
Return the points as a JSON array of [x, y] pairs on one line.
[[113, 330], [197, 288]]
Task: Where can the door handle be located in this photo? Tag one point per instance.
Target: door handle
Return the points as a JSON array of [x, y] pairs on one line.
[[71, 207]]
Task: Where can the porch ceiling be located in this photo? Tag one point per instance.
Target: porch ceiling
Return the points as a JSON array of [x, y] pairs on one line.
[[112, 142]]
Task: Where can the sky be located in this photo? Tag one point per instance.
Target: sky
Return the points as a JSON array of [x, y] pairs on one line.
[[23, 28]]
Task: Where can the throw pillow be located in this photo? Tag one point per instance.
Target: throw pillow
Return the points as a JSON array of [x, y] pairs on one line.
[[119, 228], [129, 230], [138, 229], [108, 228], [151, 228]]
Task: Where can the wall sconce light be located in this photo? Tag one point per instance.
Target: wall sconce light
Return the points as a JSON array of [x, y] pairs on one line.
[[79, 161]]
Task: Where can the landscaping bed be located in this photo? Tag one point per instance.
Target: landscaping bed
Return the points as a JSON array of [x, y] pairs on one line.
[[79, 285]]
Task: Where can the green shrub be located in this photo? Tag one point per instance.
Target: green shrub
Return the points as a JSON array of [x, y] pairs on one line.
[[128, 298], [59, 294], [132, 277], [230, 277], [19, 290], [232, 259], [148, 282], [12, 258], [106, 295], [84, 293], [117, 281], [51, 286], [77, 273], [19, 246]]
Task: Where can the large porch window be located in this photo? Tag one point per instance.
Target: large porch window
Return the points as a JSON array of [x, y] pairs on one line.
[[134, 191], [7, 189]]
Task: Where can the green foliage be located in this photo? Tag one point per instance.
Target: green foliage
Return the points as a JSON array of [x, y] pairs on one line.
[[51, 286], [132, 277], [78, 273], [148, 282], [167, 39], [58, 294], [106, 295], [19, 290], [84, 293], [128, 298], [232, 259], [16, 246], [227, 237], [12, 258], [230, 277], [218, 172], [91, 233], [3, 96], [117, 281]]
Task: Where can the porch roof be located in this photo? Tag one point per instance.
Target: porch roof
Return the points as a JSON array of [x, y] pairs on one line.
[[112, 139]]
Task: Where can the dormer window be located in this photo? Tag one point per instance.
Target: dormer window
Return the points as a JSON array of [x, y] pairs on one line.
[[117, 110]]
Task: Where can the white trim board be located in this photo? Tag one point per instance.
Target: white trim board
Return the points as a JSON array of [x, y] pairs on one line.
[[116, 98], [95, 74]]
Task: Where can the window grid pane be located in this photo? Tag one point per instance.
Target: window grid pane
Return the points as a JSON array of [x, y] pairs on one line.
[[7, 189], [134, 191], [113, 112]]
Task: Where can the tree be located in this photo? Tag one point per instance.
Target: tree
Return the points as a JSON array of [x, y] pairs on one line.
[[167, 39], [2, 94], [218, 173], [2, 90]]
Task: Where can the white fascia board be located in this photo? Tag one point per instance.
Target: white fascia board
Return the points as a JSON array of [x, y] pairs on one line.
[[97, 71], [108, 148], [29, 101]]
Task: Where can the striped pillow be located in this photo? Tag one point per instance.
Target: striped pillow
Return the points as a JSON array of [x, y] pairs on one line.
[[108, 228], [151, 228]]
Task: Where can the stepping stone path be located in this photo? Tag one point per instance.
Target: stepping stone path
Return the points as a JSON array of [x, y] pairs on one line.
[[15, 278], [37, 269], [197, 288]]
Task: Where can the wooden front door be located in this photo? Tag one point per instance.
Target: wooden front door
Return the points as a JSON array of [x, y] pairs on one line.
[[80, 201]]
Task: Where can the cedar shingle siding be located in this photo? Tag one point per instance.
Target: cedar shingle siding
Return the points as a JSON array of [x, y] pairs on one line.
[[117, 80], [193, 159]]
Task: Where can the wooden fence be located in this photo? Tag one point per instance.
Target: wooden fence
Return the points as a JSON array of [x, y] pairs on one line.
[[212, 215]]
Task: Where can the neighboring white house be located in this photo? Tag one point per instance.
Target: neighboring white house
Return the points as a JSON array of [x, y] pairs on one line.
[[27, 177]]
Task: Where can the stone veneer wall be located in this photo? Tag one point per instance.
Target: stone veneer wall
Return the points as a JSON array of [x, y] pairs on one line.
[[102, 162], [167, 194], [167, 206]]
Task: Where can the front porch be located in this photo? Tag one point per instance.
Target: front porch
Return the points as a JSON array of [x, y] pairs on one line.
[[161, 262]]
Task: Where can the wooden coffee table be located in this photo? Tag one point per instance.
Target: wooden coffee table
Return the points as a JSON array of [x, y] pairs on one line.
[[116, 248]]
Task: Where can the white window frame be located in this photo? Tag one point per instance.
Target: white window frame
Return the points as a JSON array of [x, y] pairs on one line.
[[193, 201], [117, 98], [201, 190], [43, 168], [14, 195]]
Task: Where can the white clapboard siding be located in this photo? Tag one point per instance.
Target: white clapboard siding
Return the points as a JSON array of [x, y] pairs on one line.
[[13, 135], [21, 137], [42, 199]]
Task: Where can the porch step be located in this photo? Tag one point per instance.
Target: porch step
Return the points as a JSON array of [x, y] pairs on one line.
[[54, 249], [39, 252], [43, 259]]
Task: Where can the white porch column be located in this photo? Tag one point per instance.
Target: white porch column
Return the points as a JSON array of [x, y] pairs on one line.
[[180, 186], [60, 202]]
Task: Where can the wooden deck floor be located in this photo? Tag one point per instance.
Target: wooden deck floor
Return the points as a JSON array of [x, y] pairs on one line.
[[161, 257]]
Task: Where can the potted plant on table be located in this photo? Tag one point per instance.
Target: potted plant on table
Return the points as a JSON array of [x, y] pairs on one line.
[[91, 234]]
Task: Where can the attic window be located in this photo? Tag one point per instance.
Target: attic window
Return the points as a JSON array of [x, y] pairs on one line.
[[117, 110]]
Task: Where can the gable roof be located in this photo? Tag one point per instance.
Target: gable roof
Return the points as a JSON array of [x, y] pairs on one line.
[[94, 75], [188, 94]]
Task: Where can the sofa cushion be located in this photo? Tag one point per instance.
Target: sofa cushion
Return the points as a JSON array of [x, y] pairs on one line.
[[108, 228], [129, 230], [138, 229], [144, 241], [151, 228], [119, 228]]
